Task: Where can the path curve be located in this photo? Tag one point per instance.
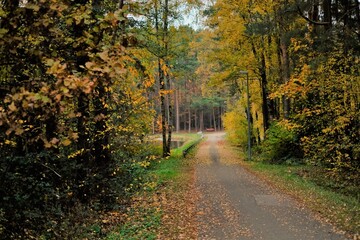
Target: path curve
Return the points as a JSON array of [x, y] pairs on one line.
[[235, 204]]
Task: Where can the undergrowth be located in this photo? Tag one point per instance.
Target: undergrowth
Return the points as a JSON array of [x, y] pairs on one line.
[[142, 219]]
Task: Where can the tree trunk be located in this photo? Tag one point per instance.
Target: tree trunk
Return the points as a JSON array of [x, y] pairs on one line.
[[214, 118], [346, 12], [327, 13], [196, 121], [336, 10], [101, 138], [167, 77], [177, 111], [264, 94], [162, 86], [285, 73], [170, 116], [263, 84], [189, 126]]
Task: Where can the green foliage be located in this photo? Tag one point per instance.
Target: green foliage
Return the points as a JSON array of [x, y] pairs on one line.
[[281, 145], [169, 168], [144, 226]]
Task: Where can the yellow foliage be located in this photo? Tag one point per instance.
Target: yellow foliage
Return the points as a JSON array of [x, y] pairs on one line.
[[66, 142], [236, 126]]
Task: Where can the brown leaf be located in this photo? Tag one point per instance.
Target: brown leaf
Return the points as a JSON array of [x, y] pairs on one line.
[[12, 107]]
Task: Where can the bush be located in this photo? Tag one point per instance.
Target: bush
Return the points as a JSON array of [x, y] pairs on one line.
[[335, 148], [280, 146]]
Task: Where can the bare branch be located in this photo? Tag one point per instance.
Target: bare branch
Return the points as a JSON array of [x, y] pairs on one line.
[[309, 20], [57, 174]]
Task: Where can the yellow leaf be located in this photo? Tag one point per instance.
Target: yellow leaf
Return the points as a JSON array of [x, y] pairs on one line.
[[19, 131], [66, 142], [47, 144], [75, 135]]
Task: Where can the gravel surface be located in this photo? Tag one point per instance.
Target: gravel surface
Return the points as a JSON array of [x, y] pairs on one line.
[[235, 204]]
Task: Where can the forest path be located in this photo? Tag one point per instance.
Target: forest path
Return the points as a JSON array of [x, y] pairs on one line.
[[235, 204]]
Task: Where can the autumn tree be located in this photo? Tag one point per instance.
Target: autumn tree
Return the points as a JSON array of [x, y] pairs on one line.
[[325, 86], [304, 54], [72, 92]]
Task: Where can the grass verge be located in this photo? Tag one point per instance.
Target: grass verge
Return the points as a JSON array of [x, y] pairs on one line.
[[341, 210], [152, 212], [169, 169]]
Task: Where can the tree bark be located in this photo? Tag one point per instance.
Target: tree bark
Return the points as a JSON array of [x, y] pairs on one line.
[[167, 77], [327, 13], [214, 119], [189, 126], [202, 120], [196, 120], [285, 73], [177, 117], [162, 86], [264, 94]]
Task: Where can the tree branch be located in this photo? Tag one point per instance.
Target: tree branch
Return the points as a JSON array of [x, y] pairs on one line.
[[309, 20], [57, 174]]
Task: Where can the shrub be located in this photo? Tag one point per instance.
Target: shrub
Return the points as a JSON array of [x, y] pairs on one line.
[[281, 145]]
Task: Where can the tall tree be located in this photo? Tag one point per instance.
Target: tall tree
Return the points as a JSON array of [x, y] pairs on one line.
[[70, 82]]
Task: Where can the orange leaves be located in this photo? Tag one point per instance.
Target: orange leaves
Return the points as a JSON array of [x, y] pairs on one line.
[[28, 112], [149, 82], [66, 142], [166, 92], [78, 84], [15, 116], [298, 86], [111, 64], [82, 14], [289, 89], [46, 105], [90, 65], [58, 6], [104, 56], [55, 67], [68, 84], [112, 19], [49, 144]]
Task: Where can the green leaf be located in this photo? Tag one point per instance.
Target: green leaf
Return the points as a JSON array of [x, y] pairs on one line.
[[2, 13], [3, 31], [34, 7]]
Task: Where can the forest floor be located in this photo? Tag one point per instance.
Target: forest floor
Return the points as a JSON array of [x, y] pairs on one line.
[[233, 203]]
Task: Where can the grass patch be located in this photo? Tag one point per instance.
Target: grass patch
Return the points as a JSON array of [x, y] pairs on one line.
[[169, 168], [342, 210], [143, 219]]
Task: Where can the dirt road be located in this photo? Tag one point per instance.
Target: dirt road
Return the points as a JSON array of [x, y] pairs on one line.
[[234, 204]]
